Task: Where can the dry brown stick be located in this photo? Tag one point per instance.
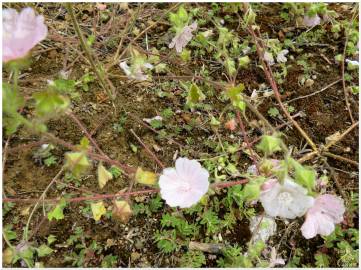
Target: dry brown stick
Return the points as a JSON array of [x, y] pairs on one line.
[[212, 248], [34, 232], [347, 131], [82, 127], [152, 155], [341, 158], [312, 154], [343, 72], [5, 153], [88, 53], [115, 62], [42, 197], [335, 179], [152, 129], [126, 168], [268, 72], [314, 93], [246, 140], [130, 24]]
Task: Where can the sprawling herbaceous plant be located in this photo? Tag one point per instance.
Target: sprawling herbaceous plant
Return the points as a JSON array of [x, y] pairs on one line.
[[224, 197]]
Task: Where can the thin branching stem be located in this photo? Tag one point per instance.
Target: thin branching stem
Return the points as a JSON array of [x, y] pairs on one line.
[[88, 53]]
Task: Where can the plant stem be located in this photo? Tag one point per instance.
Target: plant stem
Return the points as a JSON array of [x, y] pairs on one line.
[[88, 53], [26, 231], [148, 150], [120, 194]]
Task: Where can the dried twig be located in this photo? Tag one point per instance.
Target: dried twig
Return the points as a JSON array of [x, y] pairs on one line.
[[152, 155], [314, 93]]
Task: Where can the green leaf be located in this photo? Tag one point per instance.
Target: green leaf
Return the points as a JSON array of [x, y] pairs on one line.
[[10, 235], [166, 240], [51, 239], [185, 55], [49, 102], [12, 101], [76, 162], [304, 176], [90, 40], [57, 212], [63, 85], [244, 61], [270, 144], [230, 66], [273, 112], [98, 209], [193, 259], [235, 95], [44, 250], [210, 219], [322, 260], [252, 191], [195, 95]]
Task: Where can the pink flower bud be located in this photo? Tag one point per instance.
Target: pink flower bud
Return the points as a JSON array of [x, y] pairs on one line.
[[231, 125]]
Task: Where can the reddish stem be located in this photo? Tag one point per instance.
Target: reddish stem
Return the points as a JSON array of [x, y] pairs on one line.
[[152, 155], [245, 137], [120, 194]]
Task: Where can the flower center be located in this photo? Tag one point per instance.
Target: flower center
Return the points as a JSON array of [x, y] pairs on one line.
[[285, 198], [185, 187]]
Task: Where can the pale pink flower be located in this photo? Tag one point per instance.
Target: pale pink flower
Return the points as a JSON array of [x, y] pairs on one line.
[[327, 211], [311, 21], [289, 200], [21, 32], [269, 184], [182, 39], [185, 184]]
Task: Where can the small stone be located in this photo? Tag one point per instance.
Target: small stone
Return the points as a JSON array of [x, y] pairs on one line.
[[309, 82], [135, 256], [139, 244]]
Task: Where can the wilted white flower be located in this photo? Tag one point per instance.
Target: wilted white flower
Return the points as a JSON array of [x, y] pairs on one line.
[[327, 211], [269, 58], [185, 184], [137, 71], [274, 259], [262, 230], [281, 56], [289, 200], [21, 32], [182, 39], [311, 21], [352, 62], [252, 170], [149, 120]]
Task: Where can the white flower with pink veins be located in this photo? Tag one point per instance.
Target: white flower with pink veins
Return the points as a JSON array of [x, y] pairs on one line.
[[182, 38], [185, 184], [327, 211], [21, 32], [289, 200]]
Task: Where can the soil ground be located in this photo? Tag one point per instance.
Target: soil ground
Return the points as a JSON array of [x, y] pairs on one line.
[[24, 177]]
